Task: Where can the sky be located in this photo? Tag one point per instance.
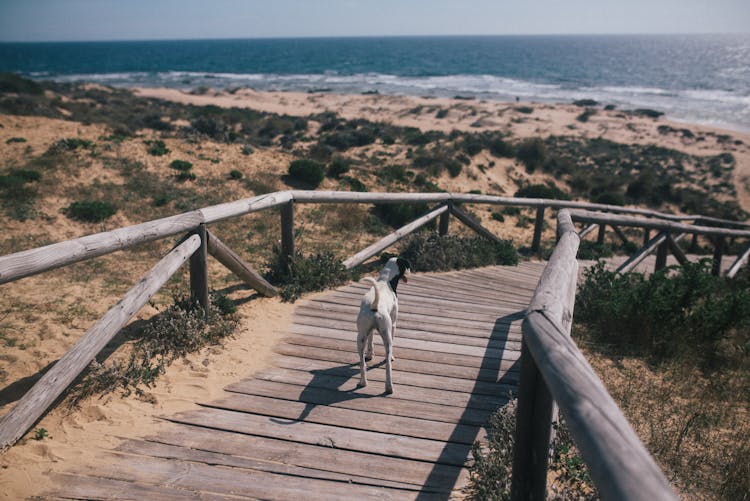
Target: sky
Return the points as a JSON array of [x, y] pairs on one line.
[[77, 20]]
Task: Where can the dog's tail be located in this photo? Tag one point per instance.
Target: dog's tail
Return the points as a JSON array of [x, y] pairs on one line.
[[375, 301]]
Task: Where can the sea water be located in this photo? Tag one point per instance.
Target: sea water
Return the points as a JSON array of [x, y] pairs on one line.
[[693, 78]]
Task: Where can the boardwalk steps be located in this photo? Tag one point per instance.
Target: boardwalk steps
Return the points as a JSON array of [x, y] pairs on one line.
[[301, 429]]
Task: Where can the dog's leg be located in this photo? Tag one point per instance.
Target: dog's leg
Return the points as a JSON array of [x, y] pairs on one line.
[[386, 328], [368, 353], [361, 341]]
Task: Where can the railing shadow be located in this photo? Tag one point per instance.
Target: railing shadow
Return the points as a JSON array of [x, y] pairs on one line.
[[443, 471]]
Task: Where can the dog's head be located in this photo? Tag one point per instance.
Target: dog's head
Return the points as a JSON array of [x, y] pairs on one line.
[[396, 269]]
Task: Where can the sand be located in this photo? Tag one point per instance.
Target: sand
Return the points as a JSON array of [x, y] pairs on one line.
[[54, 310]]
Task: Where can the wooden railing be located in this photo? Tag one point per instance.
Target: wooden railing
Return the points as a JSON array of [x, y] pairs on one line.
[[552, 367]]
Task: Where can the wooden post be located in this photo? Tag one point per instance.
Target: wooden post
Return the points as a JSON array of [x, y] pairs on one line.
[[199, 271], [33, 404], [474, 225], [533, 427], [646, 236], [718, 254], [588, 229], [445, 219], [600, 235], [536, 243], [661, 254], [739, 263], [694, 243], [287, 231], [676, 250], [233, 262]]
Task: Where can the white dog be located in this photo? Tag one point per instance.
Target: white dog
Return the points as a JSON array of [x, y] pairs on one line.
[[379, 311]]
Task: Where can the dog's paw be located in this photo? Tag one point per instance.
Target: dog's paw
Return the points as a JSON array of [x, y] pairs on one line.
[[389, 391], [368, 358], [361, 384]]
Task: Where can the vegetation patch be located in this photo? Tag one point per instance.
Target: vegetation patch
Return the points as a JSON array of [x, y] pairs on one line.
[[156, 147], [90, 211], [307, 171], [182, 329], [301, 274], [427, 251]]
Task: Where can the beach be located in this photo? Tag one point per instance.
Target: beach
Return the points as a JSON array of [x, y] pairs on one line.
[[46, 314]]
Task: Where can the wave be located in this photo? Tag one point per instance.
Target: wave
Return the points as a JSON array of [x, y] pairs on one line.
[[717, 107]]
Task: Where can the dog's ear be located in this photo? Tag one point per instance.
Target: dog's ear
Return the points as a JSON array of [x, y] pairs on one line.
[[403, 265]]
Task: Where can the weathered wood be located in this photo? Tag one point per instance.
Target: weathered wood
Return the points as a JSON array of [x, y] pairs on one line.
[[533, 433], [718, 255], [645, 251], [394, 237], [474, 225], [600, 235], [443, 225], [237, 208], [33, 261], [739, 262], [647, 236], [199, 271], [676, 250], [621, 235], [287, 231], [536, 241], [619, 463], [238, 266], [33, 404], [588, 229], [661, 255], [661, 224]]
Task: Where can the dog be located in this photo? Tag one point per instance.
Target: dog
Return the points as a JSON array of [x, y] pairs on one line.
[[379, 311]]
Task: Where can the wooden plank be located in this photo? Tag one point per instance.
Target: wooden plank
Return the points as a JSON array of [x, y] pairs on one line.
[[392, 238], [228, 210], [642, 253], [169, 451], [244, 482], [676, 250], [719, 245], [403, 342], [621, 235], [588, 229], [739, 263], [33, 404], [404, 353], [414, 387], [287, 231], [199, 272], [343, 417], [474, 225], [72, 486], [478, 391], [511, 342], [503, 369], [536, 241], [431, 477], [385, 444], [238, 266], [360, 399]]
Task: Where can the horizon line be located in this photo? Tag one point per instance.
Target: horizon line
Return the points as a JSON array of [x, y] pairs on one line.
[[340, 37]]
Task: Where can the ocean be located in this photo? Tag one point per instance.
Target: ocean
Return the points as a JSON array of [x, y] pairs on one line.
[[692, 78]]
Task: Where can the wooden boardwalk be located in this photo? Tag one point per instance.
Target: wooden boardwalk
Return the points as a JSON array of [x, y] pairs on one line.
[[302, 430]]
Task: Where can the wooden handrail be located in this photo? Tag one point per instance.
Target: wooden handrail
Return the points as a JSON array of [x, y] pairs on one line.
[[36, 401], [620, 465]]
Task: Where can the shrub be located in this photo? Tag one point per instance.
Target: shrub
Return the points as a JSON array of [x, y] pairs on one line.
[[235, 174], [585, 103], [430, 252], [182, 329], [397, 215], [181, 165], [491, 473], [15, 140], [526, 110], [89, 211], [156, 147], [676, 312], [532, 153], [542, 191], [354, 183], [10, 82], [69, 144], [392, 174], [308, 171], [586, 114], [306, 274], [338, 167]]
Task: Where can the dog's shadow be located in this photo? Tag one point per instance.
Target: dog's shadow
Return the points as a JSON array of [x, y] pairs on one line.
[[330, 387]]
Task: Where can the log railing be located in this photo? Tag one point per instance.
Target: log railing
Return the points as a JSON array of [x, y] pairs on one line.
[[554, 366]]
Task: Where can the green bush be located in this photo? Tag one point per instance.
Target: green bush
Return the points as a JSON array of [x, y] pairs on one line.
[[306, 274], [90, 211], [338, 167], [427, 251], [235, 174], [542, 191], [181, 329], [354, 183], [156, 147], [308, 171], [12, 83], [679, 312], [532, 153], [69, 144], [181, 165], [15, 140], [397, 215]]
